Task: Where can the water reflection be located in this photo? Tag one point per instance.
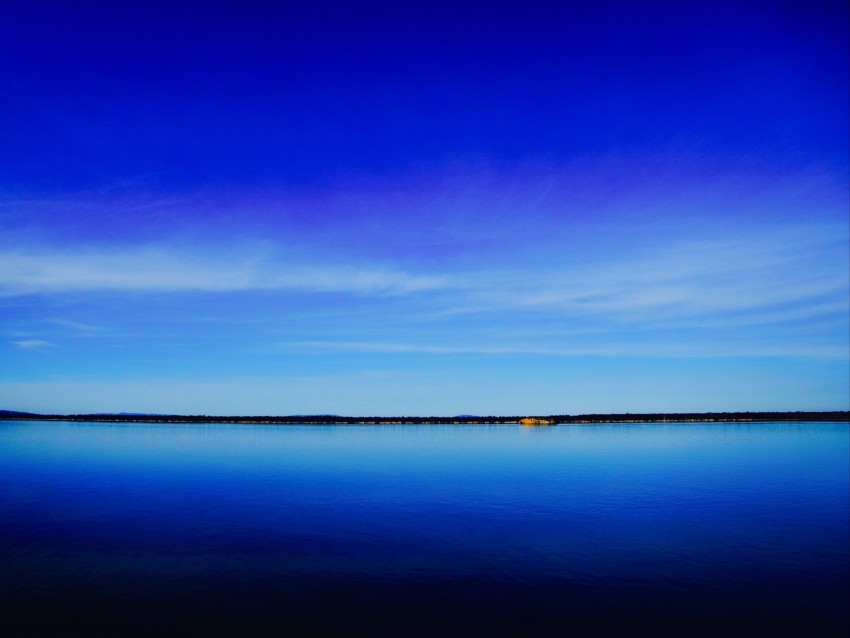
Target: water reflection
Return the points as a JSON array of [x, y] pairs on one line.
[[454, 523]]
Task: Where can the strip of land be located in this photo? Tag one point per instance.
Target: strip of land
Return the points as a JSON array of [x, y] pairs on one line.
[[332, 419]]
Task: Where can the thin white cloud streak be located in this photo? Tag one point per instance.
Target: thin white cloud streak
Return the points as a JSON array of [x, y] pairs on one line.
[[686, 351], [76, 325], [836, 310], [689, 280], [170, 270], [33, 344]]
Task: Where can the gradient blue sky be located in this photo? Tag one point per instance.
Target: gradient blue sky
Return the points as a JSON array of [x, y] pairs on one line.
[[422, 208]]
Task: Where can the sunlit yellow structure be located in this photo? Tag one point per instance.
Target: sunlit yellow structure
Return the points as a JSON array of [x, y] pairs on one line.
[[532, 421]]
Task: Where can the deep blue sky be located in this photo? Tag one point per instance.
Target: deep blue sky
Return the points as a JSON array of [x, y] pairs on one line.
[[420, 208]]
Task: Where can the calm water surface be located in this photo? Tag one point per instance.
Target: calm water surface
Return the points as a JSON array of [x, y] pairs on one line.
[[653, 529]]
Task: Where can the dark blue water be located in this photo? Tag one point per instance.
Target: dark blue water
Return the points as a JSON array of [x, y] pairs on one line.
[[656, 529]]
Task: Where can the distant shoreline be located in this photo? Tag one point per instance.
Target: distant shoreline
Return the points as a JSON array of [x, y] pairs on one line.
[[560, 419]]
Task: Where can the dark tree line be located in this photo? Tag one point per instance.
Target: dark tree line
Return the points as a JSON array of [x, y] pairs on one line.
[[330, 419]]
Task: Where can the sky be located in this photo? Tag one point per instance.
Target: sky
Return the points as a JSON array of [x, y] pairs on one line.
[[423, 208]]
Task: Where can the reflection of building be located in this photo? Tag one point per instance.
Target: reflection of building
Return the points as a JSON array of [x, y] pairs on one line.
[[532, 421]]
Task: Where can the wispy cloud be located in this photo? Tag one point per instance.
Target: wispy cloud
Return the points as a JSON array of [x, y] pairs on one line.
[[32, 344], [169, 269], [687, 350], [788, 274], [76, 325]]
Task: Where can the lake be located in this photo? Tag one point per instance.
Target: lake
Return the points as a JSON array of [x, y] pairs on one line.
[[416, 530]]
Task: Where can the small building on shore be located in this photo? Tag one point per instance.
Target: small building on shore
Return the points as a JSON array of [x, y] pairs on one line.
[[535, 421]]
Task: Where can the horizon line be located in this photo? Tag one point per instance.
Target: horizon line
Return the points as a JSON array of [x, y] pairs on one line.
[[552, 419]]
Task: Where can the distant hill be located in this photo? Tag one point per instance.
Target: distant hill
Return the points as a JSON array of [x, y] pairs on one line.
[[16, 413]]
